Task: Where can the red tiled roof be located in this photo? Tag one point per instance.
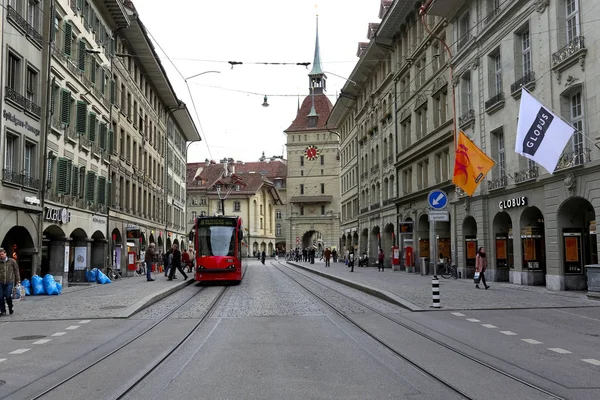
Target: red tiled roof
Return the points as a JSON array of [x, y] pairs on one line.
[[253, 174], [322, 106]]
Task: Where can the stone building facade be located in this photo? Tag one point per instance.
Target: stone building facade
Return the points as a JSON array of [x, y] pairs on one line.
[[538, 228]]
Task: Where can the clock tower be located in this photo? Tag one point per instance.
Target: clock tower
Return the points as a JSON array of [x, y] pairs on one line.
[[313, 180]]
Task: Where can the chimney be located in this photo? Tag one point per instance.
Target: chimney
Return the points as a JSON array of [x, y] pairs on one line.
[[225, 167], [207, 162]]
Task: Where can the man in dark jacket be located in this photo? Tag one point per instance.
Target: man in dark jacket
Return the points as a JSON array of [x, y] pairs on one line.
[[149, 260], [176, 264], [9, 276]]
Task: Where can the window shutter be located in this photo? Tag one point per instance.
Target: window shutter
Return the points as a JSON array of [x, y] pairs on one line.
[[65, 107], [81, 184], [103, 139], [79, 5], [81, 117], [101, 190], [93, 66], [61, 184], [90, 186], [82, 55], [68, 39], [69, 176], [75, 181], [52, 24], [111, 141], [102, 81], [109, 193], [92, 128], [113, 92]]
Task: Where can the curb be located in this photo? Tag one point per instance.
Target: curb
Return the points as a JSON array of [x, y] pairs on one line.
[[151, 299], [381, 294]]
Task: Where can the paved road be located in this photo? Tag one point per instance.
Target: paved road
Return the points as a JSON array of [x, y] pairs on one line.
[[414, 291]]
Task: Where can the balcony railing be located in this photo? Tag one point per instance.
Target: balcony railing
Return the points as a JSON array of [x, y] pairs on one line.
[[496, 100], [391, 160], [11, 176], [31, 182], [497, 183], [574, 46], [526, 175], [574, 158], [364, 210], [527, 80], [375, 206], [464, 41], [467, 118], [14, 96], [34, 34], [13, 15], [492, 16]]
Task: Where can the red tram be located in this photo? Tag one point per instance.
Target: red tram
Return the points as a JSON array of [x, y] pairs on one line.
[[218, 244]]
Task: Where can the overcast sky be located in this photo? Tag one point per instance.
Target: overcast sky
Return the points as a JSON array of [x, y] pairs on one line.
[[204, 35]]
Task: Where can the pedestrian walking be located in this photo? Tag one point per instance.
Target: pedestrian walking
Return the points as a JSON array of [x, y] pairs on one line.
[[351, 258], [334, 255], [149, 258], [9, 277], [176, 264], [381, 257], [327, 255], [263, 257], [185, 260], [167, 259], [480, 266]]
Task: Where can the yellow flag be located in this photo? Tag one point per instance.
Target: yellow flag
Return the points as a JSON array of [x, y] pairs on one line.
[[470, 164]]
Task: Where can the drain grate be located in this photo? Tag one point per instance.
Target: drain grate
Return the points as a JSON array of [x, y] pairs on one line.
[[30, 337], [112, 307]]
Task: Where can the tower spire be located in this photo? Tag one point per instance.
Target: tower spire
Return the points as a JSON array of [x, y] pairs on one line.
[[317, 77]]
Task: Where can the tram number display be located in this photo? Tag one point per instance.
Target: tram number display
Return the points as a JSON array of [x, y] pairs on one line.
[[217, 222]]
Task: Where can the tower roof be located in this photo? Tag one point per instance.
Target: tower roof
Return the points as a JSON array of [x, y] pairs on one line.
[[323, 108], [316, 66]]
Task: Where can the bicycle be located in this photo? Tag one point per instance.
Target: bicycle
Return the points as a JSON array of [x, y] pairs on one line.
[[141, 271], [449, 271], [112, 273]]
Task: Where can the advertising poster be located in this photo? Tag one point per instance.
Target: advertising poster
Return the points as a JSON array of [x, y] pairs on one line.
[[66, 262], [80, 258], [117, 258], [571, 249], [501, 249], [471, 249]]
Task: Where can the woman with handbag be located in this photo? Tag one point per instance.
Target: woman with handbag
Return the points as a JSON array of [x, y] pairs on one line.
[[480, 267]]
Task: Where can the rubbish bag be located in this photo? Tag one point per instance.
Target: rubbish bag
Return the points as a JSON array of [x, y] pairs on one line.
[[16, 293], [27, 286], [50, 285], [102, 278], [92, 275], [59, 287], [37, 285]]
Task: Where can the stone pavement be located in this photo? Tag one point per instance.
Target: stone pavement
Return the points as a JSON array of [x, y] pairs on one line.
[[120, 299], [414, 291]]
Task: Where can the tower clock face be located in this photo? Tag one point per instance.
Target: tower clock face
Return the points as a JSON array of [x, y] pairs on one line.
[[311, 152]]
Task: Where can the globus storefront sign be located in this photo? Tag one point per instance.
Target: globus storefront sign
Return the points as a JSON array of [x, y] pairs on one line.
[[60, 215], [512, 203]]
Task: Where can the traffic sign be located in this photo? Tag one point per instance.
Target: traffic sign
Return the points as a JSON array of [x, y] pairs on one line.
[[439, 215], [437, 199]]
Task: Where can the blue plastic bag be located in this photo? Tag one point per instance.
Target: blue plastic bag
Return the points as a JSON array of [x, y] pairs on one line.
[[50, 285], [102, 278], [37, 285], [59, 287], [92, 275], [27, 285]]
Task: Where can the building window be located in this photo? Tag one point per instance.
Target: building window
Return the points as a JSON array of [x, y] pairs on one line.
[[33, 13], [194, 214], [28, 159], [10, 153], [440, 108], [322, 160], [278, 230], [301, 210], [572, 19], [14, 72], [421, 123], [407, 181], [524, 57], [322, 188], [422, 174], [322, 210], [442, 166], [278, 214], [301, 189], [32, 85], [499, 154], [577, 122], [237, 206], [302, 161], [495, 63], [467, 93], [406, 133], [463, 31]]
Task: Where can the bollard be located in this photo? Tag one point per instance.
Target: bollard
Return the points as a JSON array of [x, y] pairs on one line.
[[435, 285]]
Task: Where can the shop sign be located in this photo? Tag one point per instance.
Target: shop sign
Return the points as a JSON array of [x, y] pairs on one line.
[[60, 215], [17, 122], [512, 203], [32, 200], [98, 220]]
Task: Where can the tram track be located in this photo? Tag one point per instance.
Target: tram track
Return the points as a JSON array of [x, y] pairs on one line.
[[98, 363], [390, 348]]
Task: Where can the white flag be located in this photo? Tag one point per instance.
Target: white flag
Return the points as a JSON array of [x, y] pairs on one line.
[[541, 135]]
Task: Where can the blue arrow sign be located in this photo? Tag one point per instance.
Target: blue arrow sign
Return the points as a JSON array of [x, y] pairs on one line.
[[437, 199]]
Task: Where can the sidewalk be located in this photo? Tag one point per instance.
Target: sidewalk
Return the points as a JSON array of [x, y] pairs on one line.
[[120, 299], [414, 291]]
